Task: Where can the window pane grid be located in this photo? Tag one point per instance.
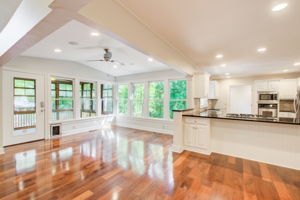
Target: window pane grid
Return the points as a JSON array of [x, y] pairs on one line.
[[178, 95], [62, 99], [107, 99], [88, 99]]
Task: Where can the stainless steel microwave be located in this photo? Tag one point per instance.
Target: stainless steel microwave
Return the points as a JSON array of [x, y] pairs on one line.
[[267, 97]]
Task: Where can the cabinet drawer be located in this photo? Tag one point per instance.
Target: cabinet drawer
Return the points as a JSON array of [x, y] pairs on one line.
[[196, 120]]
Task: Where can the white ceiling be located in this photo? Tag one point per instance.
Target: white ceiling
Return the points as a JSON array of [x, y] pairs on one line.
[[7, 9], [203, 28], [91, 48]]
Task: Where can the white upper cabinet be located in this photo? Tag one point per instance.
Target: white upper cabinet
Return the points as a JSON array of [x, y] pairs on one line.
[[287, 88], [267, 85], [201, 85], [213, 92]]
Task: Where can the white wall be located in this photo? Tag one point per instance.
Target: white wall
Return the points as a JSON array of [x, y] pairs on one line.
[[57, 67], [66, 69], [1, 114]]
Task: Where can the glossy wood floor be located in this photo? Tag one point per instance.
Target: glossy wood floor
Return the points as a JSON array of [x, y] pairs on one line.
[[127, 164]]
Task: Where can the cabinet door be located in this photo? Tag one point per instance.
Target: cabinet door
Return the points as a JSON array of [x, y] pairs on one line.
[[274, 85], [201, 136], [262, 85], [288, 88], [188, 134]]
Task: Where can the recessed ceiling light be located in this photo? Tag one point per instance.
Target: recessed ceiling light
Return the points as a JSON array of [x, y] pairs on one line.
[[296, 63], [219, 56], [150, 59], [227, 74], [115, 66], [57, 50], [279, 7], [95, 34], [223, 65], [285, 70], [262, 50]]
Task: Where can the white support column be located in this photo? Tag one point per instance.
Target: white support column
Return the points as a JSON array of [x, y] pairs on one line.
[[1, 113], [146, 100], [177, 145]]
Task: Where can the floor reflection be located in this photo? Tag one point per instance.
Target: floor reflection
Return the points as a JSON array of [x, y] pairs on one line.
[[25, 161]]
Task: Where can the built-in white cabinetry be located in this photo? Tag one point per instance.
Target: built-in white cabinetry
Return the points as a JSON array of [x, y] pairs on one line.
[[200, 85], [197, 134], [287, 88], [267, 85], [213, 92], [286, 114]]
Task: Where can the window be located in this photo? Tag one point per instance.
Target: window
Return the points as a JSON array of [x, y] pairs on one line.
[[138, 99], [62, 99], [156, 99], [107, 99], [24, 105], [123, 99], [177, 96], [88, 99]]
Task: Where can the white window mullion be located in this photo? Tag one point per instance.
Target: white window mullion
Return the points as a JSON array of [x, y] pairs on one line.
[[129, 106], [98, 99]]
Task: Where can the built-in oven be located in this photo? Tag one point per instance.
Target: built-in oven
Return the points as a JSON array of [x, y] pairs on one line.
[[267, 97], [268, 110]]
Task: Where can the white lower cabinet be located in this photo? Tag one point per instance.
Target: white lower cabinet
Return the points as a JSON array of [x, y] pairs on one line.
[[197, 135]]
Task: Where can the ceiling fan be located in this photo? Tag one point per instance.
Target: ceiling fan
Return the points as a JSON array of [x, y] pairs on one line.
[[107, 57]]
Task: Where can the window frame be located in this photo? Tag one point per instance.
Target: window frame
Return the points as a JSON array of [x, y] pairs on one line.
[[103, 98], [132, 99], [128, 99], [162, 100], [57, 110], [169, 95], [81, 92]]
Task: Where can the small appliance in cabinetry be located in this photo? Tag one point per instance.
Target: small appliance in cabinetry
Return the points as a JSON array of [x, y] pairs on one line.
[[197, 134]]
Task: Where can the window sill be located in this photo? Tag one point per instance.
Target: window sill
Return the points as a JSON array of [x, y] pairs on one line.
[[146, 118]]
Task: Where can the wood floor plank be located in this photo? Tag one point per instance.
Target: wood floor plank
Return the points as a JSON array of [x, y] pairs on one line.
[[129, 164]]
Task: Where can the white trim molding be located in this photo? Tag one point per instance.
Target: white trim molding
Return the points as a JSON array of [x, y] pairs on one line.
[[2, 150]]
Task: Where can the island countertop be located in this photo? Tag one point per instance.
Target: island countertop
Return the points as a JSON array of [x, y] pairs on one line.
[[218, 115]]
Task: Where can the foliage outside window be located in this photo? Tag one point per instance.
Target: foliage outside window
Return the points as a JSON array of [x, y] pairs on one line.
[[62, 99], [123, 99], [88, 99], [156, 99], [138, 99], [107, 99], [24, 104], [178, 95]]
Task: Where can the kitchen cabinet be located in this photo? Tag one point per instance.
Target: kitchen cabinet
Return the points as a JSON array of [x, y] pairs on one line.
[[286, 114], [213, 92], [287, 88], [200, 85], [267, 85], [197, 134]]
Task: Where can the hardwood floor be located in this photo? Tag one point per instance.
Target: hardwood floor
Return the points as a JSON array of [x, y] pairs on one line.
[[121, 163]]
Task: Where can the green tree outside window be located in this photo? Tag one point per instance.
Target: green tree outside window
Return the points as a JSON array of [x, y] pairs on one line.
[[178, 95], [156, 99]]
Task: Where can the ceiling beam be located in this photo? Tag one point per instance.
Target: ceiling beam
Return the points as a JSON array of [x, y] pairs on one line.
[[112, 16]]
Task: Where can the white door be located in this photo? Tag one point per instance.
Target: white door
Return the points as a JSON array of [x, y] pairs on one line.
[[240, 99], [23, 107]]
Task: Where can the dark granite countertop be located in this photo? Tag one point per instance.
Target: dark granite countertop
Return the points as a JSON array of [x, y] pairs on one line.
[[218, 115], [188, 109]]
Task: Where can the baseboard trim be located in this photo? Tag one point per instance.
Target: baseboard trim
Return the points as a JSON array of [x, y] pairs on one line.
[[81, 130], [177, 148], [2, 150], [144, 128]]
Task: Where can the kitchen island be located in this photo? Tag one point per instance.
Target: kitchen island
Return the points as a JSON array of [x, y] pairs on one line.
[[271, 141]]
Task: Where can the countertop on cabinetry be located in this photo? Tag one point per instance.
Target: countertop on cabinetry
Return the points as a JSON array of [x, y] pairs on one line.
[[218, 115]]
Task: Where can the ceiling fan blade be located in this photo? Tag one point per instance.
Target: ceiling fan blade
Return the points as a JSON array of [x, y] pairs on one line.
[[94, 60]]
